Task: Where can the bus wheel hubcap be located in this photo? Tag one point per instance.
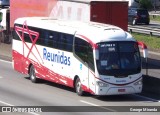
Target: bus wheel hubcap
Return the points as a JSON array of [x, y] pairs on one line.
[[78, 86]]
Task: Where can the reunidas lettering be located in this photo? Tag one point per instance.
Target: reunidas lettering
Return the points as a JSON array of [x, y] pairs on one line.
[[59, 57]]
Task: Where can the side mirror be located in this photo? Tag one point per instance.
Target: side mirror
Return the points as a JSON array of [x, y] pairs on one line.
[[145, 53], [97, 54], [144, 48]]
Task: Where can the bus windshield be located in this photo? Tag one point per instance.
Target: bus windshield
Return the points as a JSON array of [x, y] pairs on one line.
[[118, 59]]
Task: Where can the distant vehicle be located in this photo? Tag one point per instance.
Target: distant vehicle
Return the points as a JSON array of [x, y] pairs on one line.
[[132, 3], [137, 16], [91, 57], [4, 3], [103, 11]]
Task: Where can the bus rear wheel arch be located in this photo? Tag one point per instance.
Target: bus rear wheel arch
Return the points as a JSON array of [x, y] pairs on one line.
[[32, 74]]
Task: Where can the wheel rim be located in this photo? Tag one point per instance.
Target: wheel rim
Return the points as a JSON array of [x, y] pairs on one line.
[[32, 74], [78, 86]]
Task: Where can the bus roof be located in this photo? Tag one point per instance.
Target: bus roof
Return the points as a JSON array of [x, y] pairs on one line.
[[96, 32]]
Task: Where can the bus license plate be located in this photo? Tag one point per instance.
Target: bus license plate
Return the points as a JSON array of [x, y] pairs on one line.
[[121, 90]]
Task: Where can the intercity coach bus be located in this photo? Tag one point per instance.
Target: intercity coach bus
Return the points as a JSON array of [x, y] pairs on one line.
[[91, 57]]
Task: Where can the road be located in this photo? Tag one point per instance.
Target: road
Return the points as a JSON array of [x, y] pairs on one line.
[[17, 90]]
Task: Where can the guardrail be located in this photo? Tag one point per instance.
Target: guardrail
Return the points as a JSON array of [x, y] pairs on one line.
[[154, 13], [145, 30]]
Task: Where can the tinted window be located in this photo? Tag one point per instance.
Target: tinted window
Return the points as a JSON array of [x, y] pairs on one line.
[[118, 58], [81, 48], [65, 42], [84, 51], [140, 12], [49, 38], [15, 35]]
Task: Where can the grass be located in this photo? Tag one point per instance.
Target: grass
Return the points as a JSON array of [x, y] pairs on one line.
[[155, 18], [152, 42]]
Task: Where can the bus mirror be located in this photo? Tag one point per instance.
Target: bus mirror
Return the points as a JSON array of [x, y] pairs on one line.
[[97, 54], [144, 48], [145, 53]]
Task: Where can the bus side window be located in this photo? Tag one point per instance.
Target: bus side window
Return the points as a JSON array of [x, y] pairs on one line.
[[27, 38], [81, 49], [65, 42], [46, 38], [69, 42], [54, 37], [39, 40], [15, 34]]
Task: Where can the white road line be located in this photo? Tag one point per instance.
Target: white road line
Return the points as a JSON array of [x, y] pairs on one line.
[[6, 103], [89, 103], [14, 105], [148, 98], [5, 61]]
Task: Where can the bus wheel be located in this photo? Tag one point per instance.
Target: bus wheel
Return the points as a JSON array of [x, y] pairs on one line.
[[32, 74], [78, 88]]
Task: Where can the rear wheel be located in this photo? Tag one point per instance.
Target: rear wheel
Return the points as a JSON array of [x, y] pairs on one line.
[[78, 87], [134, 22], [32, 74]]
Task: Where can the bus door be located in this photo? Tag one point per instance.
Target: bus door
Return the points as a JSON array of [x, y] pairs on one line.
[[84, 52], [81, 54], [91, 69]]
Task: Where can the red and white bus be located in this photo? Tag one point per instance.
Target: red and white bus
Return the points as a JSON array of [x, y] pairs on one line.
[[91, 57]]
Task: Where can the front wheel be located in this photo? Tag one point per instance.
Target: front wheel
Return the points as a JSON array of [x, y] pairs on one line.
[[78, 87], [32, 74]]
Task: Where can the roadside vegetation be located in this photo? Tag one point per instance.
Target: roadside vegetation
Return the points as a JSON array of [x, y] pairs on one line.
[[152, 42], [155, 18]]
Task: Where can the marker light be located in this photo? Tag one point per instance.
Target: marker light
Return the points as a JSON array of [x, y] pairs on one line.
[[138, 82]]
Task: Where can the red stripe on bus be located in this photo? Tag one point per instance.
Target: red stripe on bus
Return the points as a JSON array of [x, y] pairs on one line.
[[94, 46]]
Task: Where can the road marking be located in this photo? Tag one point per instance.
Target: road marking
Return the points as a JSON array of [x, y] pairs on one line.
[[1, 77], [5, 61], [148, 98], [14, 105], [6, 103], [89, 103]]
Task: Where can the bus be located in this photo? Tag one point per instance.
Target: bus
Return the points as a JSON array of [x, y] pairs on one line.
[[91, 57]]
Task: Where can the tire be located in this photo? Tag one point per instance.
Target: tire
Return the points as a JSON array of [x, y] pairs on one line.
[[32, 75], [78, 88]]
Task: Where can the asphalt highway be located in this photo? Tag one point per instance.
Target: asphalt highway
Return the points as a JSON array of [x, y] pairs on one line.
[[17, 90]]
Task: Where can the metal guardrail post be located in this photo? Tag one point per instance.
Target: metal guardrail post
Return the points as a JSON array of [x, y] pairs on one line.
[[151, 34], [130, 30]]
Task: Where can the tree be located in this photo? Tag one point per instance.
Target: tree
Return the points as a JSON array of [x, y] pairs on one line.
[[136, 1], [145, 4]]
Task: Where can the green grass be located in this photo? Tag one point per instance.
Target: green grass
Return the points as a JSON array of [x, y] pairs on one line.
[[152, 42], [155, 18]]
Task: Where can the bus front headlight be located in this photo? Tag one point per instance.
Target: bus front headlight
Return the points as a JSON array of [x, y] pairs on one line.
[[138, 82], [102, 84]]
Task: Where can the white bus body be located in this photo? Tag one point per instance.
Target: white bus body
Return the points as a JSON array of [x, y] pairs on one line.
[[75, 54]]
